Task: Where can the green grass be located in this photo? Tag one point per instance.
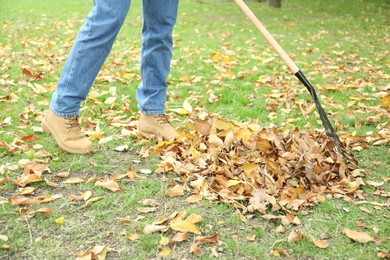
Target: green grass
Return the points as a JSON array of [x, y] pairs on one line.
[[335, 43]]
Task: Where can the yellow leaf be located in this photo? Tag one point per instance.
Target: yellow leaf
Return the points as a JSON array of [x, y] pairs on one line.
[[194, 218], [184, 226], [87, 194], [27, 191], [165, 252], [232, 183], [164, 241], [187, 106], [385, 101], [59, 220], [133, 237]]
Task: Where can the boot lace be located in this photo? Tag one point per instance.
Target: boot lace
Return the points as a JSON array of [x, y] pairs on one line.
[[72, 122], [162, 119]]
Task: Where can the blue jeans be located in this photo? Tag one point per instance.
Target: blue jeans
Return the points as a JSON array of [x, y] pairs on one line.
[[94, 43]]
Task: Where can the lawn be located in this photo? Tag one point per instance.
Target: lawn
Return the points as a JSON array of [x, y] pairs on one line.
[[86, 205]]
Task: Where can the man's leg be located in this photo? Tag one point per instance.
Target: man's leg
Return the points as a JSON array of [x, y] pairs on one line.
[[90, 49], [159, 20]]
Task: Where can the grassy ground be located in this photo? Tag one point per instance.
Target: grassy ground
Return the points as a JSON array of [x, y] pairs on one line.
[[220, 64]]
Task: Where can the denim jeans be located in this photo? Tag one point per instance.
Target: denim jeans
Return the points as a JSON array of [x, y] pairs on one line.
[[94, 43]]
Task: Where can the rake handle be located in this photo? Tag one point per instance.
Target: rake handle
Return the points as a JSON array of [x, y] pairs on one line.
[[270, 39]]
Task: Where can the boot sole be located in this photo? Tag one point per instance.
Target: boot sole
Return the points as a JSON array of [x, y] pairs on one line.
[[48, 130]]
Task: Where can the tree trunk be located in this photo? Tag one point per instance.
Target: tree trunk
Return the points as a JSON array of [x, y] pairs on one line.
[[275, 3]]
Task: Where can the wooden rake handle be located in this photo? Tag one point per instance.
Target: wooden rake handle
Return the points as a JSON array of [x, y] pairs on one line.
[[270, 39]]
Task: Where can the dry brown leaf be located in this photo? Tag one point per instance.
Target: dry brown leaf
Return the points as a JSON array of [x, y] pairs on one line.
[[295, 236], [73, 180], [151, 228], [29, 178], [211, 239], [357, 236], [179, 237], [317, 242], [21, 200], [146, 209], [176, 191], [149, 202], [124, 220], [195, 249], [109, 185]]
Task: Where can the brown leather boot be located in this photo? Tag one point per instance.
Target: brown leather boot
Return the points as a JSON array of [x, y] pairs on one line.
[[156, 125], [67, 133]]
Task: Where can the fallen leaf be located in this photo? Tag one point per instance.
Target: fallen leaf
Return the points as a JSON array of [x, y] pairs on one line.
[[195, 249], [184, 226], [151, 228], [385, 101], [109, 185], [73, 180], [318, 243], [176, 191], [149, 202], [133, 237], [124, 220], [164, 241], [357, 236], [59, 220], [251, 238], [295, 236], [146, 209], [165, 252], [179, 237], [211, 239]]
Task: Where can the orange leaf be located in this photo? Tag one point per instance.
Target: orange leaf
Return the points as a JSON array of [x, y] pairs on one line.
[[211, 239]]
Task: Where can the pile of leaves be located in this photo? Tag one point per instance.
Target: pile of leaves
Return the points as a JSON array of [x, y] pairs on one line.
[[255, 168]]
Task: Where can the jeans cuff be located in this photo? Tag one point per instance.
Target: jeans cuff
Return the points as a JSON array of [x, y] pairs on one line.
[[64, 114], [152, 113]]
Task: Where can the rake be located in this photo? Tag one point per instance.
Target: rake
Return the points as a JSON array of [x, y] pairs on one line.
[[334, 140]]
